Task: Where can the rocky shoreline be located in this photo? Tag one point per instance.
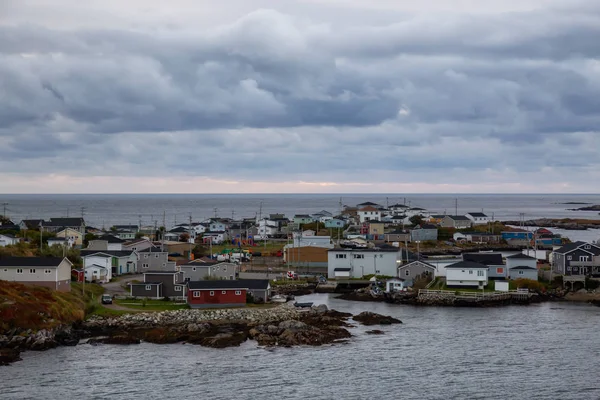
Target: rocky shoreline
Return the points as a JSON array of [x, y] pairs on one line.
[[567, 224], [283, 326]]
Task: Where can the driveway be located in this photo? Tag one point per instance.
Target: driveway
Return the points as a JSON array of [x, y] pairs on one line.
[[116, 287]]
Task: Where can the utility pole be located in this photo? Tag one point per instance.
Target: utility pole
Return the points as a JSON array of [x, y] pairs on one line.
[[232, 215], [162, 234], [83, 225], [456, 207], [190, 237], [215, 210], [4, 209], [139, 222]]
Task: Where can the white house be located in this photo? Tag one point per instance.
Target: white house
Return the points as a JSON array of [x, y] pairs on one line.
[[266, 228], [369, 213], [309, 239], [467, 273], [60, 242], [478, 218], [355, 263], [217, 226], [214, 237], [116, 262], [97, 273], [6, 240]]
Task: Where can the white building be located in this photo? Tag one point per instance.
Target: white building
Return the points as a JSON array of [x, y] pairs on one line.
[[266, 228], [7, 240], [369, 213], [97, 273], [355, 263], [308, 238], [467, 273], [478, 218]]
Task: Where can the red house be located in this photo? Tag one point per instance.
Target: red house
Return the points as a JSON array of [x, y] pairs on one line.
[[216, 294]]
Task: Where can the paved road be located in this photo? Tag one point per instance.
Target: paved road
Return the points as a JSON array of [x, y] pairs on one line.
[[116, 287]]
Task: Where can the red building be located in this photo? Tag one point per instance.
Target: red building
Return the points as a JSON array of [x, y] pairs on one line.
[[216, 294]]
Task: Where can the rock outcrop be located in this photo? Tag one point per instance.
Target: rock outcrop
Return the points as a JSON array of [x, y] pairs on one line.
[[370, 318]]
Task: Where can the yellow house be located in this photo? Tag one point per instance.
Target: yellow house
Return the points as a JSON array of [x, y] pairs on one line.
[[72, 236]]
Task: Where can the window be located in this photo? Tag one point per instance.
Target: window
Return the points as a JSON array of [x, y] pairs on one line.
[[148, 287], [587, 247], [584, 258], [178, 288], [197, 293], [499, 270], [238, 292], [568, 268], [145, 265], [193, 268], [212, 293], [480, 273], [340, 256], [19, 270], [569, 257], [470, 272], [48, 271], [358, 256], [520, 272], [5, 269], [145, 255], [407, 273], [32, 271], [223, 292]]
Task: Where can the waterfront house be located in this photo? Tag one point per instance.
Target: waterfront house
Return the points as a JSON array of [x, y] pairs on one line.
[[334, 223], [478, 218], [355, 263], [578, 258], [198, 271], [160, 284], [521, 260], [415, 270], [8, 240], [117, 261], [259, 289], [394, 285], [59, 224], [369, 213], [496, 267], [523, 272], [97, 273], [50, 272], [517, 237], [456, 222], [106, 242], [467, 273], [425, 232], [154, 259], [31, 224], [71, 235], [216, 294]]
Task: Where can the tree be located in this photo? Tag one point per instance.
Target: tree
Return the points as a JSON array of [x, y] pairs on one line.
[[87, 238], [184, 237], [199, 251], [416, 220]]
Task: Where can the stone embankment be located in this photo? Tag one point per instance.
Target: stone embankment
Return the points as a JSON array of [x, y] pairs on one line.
[[15, 341]]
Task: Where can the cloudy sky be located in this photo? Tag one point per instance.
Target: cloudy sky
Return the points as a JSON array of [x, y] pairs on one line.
[[268, 96]]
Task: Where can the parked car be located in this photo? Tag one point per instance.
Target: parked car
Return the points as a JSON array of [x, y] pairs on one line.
[[106, 299]]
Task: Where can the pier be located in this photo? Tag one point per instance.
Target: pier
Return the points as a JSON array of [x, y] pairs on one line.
[[473, 299]]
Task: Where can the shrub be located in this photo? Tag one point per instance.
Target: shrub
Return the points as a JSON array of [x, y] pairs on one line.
[[529, 284], [591, 284]]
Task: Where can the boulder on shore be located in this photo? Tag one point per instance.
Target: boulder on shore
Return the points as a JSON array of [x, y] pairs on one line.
[[371, 318], [8, 356]]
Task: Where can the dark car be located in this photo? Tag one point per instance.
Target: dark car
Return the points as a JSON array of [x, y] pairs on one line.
[[106, 299]]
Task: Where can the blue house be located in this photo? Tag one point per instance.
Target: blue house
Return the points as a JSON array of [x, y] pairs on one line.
[[517, 235], [334, 223]]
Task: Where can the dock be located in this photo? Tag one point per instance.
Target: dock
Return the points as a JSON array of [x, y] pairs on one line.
[[474, 299]]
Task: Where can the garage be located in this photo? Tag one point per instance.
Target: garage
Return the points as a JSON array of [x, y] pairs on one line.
[[342, 272]]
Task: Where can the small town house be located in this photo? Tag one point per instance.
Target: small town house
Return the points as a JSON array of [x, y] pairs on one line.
[[467, 273], [50, 272]]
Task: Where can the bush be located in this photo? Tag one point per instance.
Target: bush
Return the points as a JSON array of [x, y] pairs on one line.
[[529, 284], [249, 298], [591, 284]]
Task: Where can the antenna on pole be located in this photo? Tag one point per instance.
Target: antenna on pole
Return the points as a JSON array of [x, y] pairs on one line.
[[4, 209]]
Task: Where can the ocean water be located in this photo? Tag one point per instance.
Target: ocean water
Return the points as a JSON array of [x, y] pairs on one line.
[[107, 210], [544, 351]]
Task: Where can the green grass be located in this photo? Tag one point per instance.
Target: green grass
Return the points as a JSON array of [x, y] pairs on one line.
[[151, 305], [285, 282], [102, 311]]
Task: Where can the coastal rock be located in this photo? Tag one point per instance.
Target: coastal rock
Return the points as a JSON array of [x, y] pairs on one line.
[[223, 340], [293, 326], [371, 318], [321, 309], [375, 332], [8, 356]]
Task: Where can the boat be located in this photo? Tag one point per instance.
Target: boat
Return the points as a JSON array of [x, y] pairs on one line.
[[303, 305], [278, 299]]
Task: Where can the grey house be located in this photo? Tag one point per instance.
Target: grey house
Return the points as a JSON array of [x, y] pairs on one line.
[[496, 267], [415, 270], [203, 271], [153, 259], [159, 284], [424, 233], [260, 289], [58, 224], [578, 258], [523, 272], [456, 221]]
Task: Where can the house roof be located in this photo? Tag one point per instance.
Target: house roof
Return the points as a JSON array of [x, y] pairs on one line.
[[219, 284], [521, 256], [134, 241], [152, 249], [368, 203], [477, 214], [159, 272], [458, 217], [416, 262], [107, 253], [96, 266], [426, 226], [522, 267], [110, 239], [438, 216], [467, 265], [302, 216], [145, 283], [569, 247], [484, 258], [8, 236], [125, 227], [32, 223], [30, 261], [179, 229], [65, 222], [368, 208]]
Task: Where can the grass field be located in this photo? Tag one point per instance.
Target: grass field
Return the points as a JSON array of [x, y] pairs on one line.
[[150, 305]]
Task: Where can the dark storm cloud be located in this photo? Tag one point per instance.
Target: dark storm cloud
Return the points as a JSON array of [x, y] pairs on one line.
[[271, 93]]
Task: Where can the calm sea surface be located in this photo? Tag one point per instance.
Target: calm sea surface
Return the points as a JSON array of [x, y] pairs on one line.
[[547, 351], [107, 210]]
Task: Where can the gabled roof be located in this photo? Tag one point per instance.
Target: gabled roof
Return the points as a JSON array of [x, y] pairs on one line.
[[467, 265], [521, 256], [33, 223], [368, 208], [484, 258], [134, 241], [30, 261], [107, 253], [522, 267], [302, 216], [179, 229], [66, 222], [458, 217], [426, 226], [216, 285], [125, 227], [569, 247], [417, 262], [110, 239], [152, 249], [477, 215], [145, 283], [368, 203], [8, 236]]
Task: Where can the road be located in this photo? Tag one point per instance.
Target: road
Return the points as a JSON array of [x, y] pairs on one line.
[[116, 288]]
